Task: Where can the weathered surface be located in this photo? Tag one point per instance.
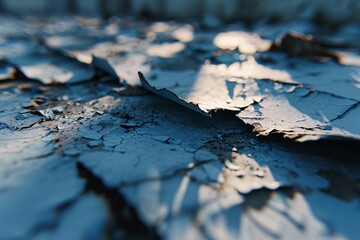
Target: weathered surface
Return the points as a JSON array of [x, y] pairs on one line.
[[288, 95], [179, 170], [93, 161], [227, 74], [36, 63]]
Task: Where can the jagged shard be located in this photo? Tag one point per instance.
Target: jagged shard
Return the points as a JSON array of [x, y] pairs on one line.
[[120, 58], [299, 98], [36, 63], [238, 71]]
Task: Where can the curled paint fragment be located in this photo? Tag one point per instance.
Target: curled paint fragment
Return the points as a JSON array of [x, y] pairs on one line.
[[163, 92], [270, 107], [308, 46]]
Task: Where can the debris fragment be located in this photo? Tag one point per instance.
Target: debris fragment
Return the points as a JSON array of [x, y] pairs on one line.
[[121, 60], [264, 104], [92, 135], [47, 113], [303, 45], [161, 138], [171, 96], [308, 46], [93, 144], [49, 68]]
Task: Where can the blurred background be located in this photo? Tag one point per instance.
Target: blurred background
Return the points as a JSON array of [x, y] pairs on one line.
[[323, 11]]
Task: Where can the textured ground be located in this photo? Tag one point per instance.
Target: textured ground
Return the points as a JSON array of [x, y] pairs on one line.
[[260, 140]]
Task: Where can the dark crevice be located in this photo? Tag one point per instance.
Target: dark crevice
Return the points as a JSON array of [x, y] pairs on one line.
[[342, 150], [257, 199], [346, 112], [341, 186], [124, 218]]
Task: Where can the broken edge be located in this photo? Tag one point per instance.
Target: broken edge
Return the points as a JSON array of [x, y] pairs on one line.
[[163, 92]]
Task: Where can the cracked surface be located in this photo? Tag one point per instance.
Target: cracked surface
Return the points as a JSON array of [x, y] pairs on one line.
[[90, 160]]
